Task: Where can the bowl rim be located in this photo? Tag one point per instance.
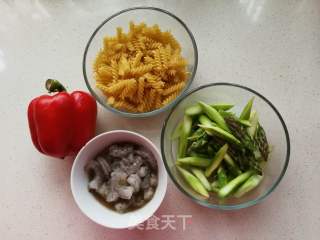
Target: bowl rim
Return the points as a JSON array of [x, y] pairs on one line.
[[157, 111], [235, 206], [164, 177]]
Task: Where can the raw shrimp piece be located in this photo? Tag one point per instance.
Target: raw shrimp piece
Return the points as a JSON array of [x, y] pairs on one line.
[[135, 181], [143, 171], [148, 193], [120, 150], [112, 196], [95, 183], [125, 192], [148, 157], [145, 182], [118, 178], [103, 190], [131, 166], [153, 180], [105, 167], [93, 169]]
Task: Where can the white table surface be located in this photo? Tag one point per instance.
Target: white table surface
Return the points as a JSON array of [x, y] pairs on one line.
[[271, 46]]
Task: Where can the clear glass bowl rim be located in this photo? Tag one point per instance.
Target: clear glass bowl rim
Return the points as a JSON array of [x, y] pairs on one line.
[[221, 206], [157, 111]]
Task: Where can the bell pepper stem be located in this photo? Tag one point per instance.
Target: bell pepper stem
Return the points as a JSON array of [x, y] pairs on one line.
[[53, 85]]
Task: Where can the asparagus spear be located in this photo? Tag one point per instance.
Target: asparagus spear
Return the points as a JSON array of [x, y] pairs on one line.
[[245, 114], [185, 132], [222, 177], [254, 123], [222, 106], [248, 185], [233, 184], [245, 122], [216, 160], [177, 131], [193, 110], [196, 109], [200, 175], [213, 130], [194, 161], [215, 186], [214, 115], [194, 183], [232, 164]]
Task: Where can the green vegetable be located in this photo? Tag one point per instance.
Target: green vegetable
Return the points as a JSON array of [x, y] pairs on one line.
[[199, 155], [222, 106], [199, 133], [177, 131], [203, 119], [194, 161], [222, 177], [220, 132], [248, 185], [215, 186], [254, 123], [245, 122], [198, 142], [233, 184], [193, 110], [217, 145], [200, 175], [197, 109], [185, 132], [232, 164], [214, 115], [245, 114], [216, 160], [194, 183], [261, 143], [245, 153]]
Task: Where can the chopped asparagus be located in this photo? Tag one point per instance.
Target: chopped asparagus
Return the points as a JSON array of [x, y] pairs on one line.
[[197, 109], [200, 175], [194, 183], [245, 114], [177, 131], [213, 130], [194, 161], [248, 185], [222, 177], [245, 122], [216, 160], [240, 142], [215, 186], [193, 110], [232, 164], [222, 106], [254, 123], [233, 184], [185, 132], [214, 115]]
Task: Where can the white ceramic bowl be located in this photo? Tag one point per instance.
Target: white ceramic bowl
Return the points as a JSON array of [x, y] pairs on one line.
[[86, 201]]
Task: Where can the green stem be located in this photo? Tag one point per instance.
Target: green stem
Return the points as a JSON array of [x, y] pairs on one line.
[[53, 85]]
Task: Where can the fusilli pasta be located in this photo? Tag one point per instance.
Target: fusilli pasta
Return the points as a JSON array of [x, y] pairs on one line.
[[141, 70]]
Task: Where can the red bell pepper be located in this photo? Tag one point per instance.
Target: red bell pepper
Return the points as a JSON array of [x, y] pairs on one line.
[[62, 123]]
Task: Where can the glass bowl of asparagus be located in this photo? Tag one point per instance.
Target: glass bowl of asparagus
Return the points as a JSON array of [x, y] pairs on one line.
[[225, 146]]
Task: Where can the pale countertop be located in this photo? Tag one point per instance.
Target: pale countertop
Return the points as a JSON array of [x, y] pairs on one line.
[[271, 46]]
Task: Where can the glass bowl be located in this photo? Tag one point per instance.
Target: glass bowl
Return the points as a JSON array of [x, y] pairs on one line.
[[151, 16], [269, 118]]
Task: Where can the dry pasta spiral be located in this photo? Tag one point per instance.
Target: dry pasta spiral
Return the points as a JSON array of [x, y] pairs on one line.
[[141, 70]]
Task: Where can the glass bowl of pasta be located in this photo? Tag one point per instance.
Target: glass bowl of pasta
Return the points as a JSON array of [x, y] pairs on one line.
[[140, 61]]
